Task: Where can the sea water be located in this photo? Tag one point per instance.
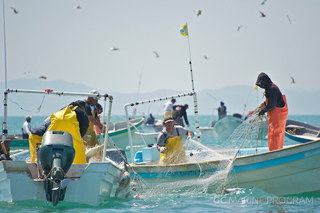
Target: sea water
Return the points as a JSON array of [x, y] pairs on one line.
[[192, 198]]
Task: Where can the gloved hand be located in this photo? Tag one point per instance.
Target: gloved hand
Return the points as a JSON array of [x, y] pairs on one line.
[[189, 138], [262, 112], [163, 150]]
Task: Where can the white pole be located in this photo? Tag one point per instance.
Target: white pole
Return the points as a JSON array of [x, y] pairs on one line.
[[129, 133], [196, 116], [106, 133]]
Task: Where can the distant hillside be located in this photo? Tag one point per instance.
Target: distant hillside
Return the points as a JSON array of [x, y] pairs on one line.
[[238, 99]]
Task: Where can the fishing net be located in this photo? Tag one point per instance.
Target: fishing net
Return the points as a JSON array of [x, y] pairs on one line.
[[251, 133]]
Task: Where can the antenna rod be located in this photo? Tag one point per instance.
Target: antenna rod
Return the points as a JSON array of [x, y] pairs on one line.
[[4, 47]]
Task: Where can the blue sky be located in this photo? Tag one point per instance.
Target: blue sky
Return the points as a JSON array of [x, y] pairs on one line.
[[53, 39]]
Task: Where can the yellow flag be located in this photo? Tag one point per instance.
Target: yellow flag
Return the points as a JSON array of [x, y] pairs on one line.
[[256, 87], [184, 30]]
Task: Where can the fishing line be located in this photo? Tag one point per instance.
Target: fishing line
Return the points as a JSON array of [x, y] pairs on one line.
[[37, 110]]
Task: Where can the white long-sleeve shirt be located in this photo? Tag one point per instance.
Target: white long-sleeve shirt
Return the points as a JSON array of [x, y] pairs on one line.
[[26, 128]]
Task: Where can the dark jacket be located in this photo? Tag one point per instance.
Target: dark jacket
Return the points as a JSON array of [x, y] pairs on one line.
[[180, 111], [272, 92]]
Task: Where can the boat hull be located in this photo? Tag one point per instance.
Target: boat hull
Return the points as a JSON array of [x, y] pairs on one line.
[[87, 183], [291, 170], [299, 132]]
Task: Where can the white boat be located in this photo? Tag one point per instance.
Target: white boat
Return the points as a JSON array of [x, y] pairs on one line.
[[224, 127], [55, 179], [291, 170], [300, 132], [119, 134], [89, 184]]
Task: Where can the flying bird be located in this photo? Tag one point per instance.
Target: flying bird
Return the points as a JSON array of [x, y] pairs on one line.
[[157, 54], [198, 12], [114, 48], [262, 14], [14, 10], [262, 3], [43, 77], [290, 20], [205, 57], [77, 7], [239, 27], [292, 80]]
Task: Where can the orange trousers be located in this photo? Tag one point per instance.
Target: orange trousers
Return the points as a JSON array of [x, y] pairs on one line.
[[277, 119]]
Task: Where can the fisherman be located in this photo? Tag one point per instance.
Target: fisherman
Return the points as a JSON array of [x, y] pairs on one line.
[[168, 108], [72, 119], [26, 128], [277, 110], [91, 110], [179, 112], [170, 144], [99, 111], [222, 110], [150, 120]]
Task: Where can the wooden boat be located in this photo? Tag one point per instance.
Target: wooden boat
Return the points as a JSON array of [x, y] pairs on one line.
[[224, 127], [54, 178], [300, 132]]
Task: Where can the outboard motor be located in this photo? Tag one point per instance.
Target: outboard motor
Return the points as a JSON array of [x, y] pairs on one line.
[[56, 157]]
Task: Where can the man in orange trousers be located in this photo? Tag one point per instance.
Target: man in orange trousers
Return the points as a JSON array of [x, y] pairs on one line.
[[277, 110]]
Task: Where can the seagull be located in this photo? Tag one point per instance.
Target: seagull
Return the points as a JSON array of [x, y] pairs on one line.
[[290, 20], [14, 10], [292, 80], [114, 48], [205, 57], [157, 54], [77, 7], [262, 14], [239, 27], [198, 12], [43, 77], [264, 1]]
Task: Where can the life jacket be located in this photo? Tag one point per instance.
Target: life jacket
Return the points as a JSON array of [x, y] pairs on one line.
[[66, 120], [277, 119], [175, 152]]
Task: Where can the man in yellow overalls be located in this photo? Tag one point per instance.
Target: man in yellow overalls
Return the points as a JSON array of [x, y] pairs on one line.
[[91, 110], [170, 144], [72, 119]]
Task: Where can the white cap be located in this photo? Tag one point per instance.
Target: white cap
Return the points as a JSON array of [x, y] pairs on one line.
[[94, 92]]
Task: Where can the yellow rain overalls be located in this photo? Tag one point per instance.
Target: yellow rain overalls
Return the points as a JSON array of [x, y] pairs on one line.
[[66, 120], [175, 152], [33, 140], [63, 120]]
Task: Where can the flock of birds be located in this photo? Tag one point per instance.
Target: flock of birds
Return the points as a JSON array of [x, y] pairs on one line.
[[198, 13]]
